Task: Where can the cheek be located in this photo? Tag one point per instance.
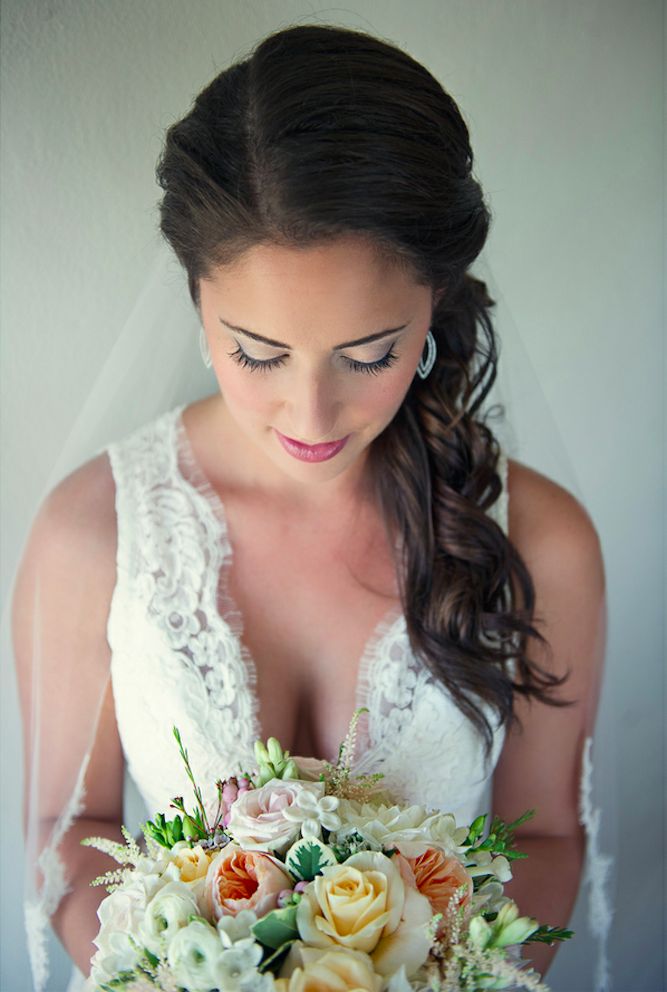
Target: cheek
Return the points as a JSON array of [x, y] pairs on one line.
[[243, 391], [388, 397]]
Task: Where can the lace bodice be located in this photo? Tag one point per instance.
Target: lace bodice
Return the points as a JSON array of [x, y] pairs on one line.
[[178, 656]]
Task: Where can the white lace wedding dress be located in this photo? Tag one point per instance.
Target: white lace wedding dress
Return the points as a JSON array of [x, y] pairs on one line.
[[177, 656]]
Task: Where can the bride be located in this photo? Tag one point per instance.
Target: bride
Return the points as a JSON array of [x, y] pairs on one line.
[[337, 525]]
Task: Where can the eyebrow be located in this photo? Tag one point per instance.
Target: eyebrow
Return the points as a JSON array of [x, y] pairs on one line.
[[337, 347]]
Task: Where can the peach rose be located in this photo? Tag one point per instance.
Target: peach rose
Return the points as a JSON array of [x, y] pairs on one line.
[[438, 876], [238, 879]]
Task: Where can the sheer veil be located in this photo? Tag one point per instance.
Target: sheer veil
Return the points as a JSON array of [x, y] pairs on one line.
[[132, 388]]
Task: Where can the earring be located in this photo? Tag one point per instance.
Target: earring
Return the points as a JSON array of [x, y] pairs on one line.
[[204, 349], [426, 364]]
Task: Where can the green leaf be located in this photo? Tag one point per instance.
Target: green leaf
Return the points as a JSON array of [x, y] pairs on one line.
[[191, 830], [152, 959], [308, 857], [277, 928], [476, 828], [275, 960], [547, 935], [122, 978]]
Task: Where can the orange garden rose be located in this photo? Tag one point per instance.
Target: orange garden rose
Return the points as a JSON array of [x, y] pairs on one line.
[[438, 876], [239, 879]]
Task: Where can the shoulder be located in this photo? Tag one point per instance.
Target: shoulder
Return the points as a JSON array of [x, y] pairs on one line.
[[82, 506], [550, 527], [72, 539]]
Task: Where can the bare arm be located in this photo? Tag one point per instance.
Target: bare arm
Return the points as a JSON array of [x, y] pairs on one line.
[[60, 608], [540, 766]]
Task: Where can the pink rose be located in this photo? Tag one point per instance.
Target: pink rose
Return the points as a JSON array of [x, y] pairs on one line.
[[258, 819], [238, 879]]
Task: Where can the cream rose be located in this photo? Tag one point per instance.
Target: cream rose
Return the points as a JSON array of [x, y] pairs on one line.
[[257, 819], [333, 970], [192, 862], [238, 880], [365, 905]]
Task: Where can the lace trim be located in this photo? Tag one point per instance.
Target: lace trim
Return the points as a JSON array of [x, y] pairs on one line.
[[598, 867], [223, 608], [37, 912], [369, 740]]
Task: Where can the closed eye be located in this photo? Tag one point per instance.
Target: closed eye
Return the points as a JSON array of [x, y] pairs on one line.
[[369, 368]]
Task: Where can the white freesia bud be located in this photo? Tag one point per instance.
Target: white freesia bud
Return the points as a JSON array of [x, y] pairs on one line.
[[480, 932], [510, 928], [489, 897]]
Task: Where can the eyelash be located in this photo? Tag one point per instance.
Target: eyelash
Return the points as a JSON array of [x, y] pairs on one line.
[[370, 368]]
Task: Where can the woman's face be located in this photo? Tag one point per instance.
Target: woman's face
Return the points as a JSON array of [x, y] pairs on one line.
[[313, 384]]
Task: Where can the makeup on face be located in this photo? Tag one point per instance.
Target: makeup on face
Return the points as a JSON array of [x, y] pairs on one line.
[[311, 452]]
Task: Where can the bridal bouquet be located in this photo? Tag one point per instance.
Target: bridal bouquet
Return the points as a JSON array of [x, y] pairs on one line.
[[311, 879]]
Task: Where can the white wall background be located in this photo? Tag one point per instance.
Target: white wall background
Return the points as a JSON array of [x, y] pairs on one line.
[[565, 102]]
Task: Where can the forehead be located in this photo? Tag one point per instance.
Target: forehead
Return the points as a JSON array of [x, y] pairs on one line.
[[349, 272]]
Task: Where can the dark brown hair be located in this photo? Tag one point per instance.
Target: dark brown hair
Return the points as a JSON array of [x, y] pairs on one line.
[[321, 132]]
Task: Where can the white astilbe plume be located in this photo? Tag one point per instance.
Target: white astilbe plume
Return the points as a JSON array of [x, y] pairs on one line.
[[467, 960]]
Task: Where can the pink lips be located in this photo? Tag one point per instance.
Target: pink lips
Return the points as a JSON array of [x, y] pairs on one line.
[[311, 452]]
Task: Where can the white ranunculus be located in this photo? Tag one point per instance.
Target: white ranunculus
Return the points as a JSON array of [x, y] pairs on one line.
[[194, 955], [120, 914], [166, 913], [115, 953], [388, 826]]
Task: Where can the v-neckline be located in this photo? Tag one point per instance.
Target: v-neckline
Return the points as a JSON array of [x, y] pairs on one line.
[[230, 616]]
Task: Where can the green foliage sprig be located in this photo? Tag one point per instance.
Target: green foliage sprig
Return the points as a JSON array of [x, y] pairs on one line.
[[192, 826], [500, 839], [547, 935]]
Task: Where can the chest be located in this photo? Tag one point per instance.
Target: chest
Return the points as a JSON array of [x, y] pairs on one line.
[[310, 602]]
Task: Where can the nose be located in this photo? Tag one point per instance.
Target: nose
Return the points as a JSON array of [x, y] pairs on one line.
[[312, 410]]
